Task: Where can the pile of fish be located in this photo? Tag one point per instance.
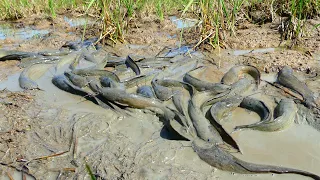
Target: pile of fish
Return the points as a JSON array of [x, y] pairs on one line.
[[167, 86]]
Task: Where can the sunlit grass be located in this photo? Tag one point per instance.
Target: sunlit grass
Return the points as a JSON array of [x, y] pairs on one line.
[[217, 17]]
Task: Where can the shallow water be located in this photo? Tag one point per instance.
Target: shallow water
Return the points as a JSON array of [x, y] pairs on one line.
[[75, 22], [12, 83], [9, 31], [183, 23]]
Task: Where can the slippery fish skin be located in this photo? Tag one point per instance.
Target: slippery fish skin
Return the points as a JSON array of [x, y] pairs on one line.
[[257, 106], [135, 101], [237, 88], [133, 65], [221, 159], [218, 111], [236, 72], [163, 93], [25, 80], [96, 72], [15, 55], [205, 86], [203, 127], [284, 115], [76, 79], [146, 91], [287, 79], [182, 93]]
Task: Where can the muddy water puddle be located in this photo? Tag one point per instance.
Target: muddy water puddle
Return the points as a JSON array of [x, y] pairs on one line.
[[9, 31], [183, 23]]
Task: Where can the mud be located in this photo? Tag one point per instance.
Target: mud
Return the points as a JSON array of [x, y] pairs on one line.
[[74, 131]]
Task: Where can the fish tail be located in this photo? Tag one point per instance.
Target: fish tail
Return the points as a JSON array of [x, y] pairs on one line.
[[258, 168]]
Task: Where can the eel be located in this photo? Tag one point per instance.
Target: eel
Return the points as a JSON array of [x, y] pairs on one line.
[[203, 85], [223, 160], [146, 91], [284, 115], [237, 72], [133, 65], [136, 101], [257, 106], [33, 72], [96, 72], [182, 93], [238, 88], [76, 79], [15, 55], [289, 80]]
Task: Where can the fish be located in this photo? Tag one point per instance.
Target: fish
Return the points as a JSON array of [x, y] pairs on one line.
[[146, 91], [76, 79], [219, 158], [133, 65], [205, 86], [15, 55], [289, 80], [284, 115], [68, 59], [202, 125], [61, 82], [29, 75], [136, 101], [216, 114], [239, 71], [182, 93], [163, 93], [238, 88], [26, 62], [96, 72], [258, 107]]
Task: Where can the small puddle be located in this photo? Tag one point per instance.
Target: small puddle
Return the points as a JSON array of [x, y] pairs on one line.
[[243, 52], [75, 22], [183, 23], [12, 83], [9, 31]]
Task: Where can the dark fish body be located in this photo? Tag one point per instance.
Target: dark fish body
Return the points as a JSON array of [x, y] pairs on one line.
[[64, 84], [76, 79], [182, 93], [237, 88], [139, 80], [221, 159], [16, 55], [237, 72], [284, 115], [27, 76], [203, 128], [218, 111], [133, 65], [205, 86], [146, 91], [163, 93], [258, 107], [287, 79], [135, 101], [25, 62], [96, 72]]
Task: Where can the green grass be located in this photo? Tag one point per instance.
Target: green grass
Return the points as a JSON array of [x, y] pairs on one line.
[[217, 16]]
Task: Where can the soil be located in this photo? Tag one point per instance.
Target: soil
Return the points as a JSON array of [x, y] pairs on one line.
[[51, 134]]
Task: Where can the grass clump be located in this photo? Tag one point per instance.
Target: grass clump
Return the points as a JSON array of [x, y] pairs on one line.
[[217, 17]]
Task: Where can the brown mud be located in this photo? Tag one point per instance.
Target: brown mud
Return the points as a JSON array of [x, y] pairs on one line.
[[52, 134]]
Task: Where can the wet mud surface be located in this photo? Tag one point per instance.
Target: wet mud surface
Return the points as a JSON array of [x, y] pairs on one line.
[[54, 134]]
